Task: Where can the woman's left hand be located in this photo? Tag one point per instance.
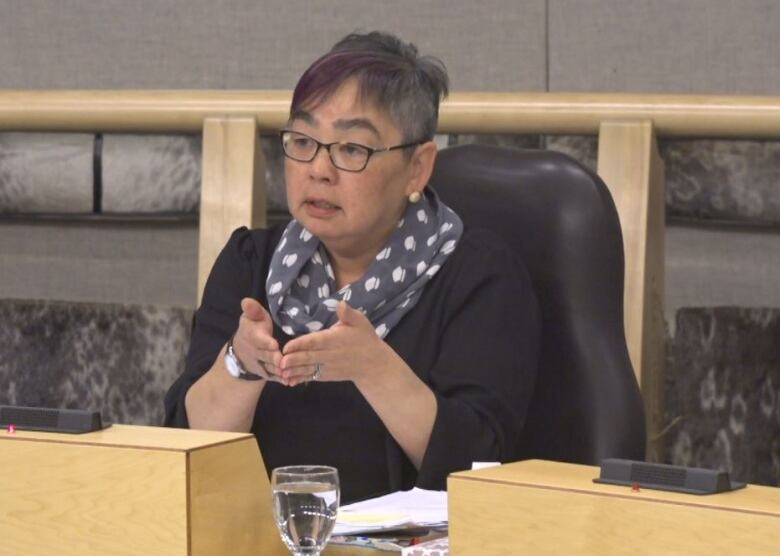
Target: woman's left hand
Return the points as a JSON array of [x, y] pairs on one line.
[[348, 350], [351, 350]]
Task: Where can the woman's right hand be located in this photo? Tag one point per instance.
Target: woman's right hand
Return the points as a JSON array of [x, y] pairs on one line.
[[254, 343]]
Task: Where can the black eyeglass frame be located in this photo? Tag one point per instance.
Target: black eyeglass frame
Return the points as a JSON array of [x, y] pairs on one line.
[[320, 144]]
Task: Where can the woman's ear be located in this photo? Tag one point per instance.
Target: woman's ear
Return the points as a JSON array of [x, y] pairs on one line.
[[422, 162]]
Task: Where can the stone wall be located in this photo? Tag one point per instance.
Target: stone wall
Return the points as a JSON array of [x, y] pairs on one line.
[[117, 359]]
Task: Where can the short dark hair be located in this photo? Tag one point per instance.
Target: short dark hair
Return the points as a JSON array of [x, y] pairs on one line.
[[390, 73]]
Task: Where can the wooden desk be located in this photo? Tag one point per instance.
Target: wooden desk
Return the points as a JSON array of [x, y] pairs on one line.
[[131, 490], [538, 507]]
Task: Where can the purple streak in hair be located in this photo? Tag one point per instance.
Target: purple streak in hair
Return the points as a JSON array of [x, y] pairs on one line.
[[328, 73]]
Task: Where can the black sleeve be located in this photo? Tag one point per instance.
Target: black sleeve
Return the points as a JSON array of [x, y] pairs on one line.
[[485, 370], [231, 279]]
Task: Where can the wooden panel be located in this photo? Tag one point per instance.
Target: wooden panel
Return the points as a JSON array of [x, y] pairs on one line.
[[72, 500], [229, 487], [462, 112], [132, 436], [553, 508], [232, 190], [632, 169]]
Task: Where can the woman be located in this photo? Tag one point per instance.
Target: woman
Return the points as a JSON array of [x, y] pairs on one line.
[[374, 333]]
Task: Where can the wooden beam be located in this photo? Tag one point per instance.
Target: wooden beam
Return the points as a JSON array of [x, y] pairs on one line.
[[232, 189], [463, 112], [629, 163]]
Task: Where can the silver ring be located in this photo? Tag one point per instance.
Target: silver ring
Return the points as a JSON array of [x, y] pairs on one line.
[[317, 372]]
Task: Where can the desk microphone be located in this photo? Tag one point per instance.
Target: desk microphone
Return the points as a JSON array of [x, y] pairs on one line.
[[50, 420]]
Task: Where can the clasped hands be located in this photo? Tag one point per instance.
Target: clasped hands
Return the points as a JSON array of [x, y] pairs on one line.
[[347, 350]]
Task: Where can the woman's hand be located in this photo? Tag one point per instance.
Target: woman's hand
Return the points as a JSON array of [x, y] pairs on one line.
[[348, 350], [351, 350], [254, 343], [217, 401]]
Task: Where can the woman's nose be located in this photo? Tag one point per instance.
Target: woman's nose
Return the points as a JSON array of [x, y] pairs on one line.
[[321, 167]]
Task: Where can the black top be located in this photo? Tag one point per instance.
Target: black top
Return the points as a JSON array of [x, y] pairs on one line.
[[472, 338]]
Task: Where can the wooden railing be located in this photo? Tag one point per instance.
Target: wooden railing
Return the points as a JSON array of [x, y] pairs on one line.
[[233, 188], [553, 113]]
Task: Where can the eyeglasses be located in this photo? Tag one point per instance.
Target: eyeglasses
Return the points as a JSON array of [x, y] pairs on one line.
[[350, 157]]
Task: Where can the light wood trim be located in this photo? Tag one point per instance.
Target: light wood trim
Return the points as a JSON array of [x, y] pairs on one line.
[[582, 113], [232, 189], [629, 163], [135, 437], [141, 111], [555, 508], [462, 112]]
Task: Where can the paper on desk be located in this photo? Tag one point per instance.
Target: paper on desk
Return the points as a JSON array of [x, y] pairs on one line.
[[408, 508]]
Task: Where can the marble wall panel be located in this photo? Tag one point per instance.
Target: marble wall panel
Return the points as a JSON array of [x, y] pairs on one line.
[[584, 148], [722, 391], [736, 181], [274, 173], [116, 359], [151, 173], [508, 141], [733, 181], [46, 172], [730, 181]]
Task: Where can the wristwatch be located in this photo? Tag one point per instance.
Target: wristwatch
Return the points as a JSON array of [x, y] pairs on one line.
[[234, 365]]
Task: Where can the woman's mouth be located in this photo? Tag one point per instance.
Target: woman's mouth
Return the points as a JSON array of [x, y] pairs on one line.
[[321, 204], [320, 208]]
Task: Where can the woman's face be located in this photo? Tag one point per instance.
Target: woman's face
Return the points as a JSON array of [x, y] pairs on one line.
[[353, 213]]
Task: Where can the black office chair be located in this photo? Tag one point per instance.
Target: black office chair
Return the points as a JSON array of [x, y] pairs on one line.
[[561, 220]]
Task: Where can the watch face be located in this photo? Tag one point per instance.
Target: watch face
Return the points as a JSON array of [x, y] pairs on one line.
[[235, 369], [232, 365]]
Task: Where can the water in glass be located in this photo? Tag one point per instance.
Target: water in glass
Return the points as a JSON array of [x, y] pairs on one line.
[[305, 507]]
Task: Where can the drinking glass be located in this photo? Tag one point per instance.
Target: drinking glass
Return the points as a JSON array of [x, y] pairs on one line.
[[306, 500]]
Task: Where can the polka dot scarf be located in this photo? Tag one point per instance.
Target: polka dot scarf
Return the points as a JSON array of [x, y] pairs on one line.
[[301, 285]]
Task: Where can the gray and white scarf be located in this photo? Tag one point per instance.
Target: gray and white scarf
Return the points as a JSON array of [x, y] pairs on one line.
[[301, 285]]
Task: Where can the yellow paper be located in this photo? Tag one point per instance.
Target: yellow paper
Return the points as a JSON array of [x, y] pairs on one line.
[[371, 518]]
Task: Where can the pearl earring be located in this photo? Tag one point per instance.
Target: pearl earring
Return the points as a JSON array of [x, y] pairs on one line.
[[415, 197]]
